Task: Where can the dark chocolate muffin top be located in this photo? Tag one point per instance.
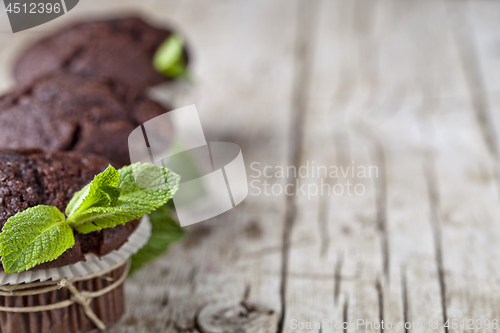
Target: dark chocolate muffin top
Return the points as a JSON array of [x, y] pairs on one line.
[[32, 177], [74, 113], [121, 49]]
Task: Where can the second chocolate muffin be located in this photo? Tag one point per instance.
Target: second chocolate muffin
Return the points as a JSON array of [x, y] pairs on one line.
[[74, 113], [121, 49]]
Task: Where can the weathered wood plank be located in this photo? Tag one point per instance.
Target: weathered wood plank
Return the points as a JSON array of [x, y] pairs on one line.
[[242, 77], [393, 255], [468, 187]]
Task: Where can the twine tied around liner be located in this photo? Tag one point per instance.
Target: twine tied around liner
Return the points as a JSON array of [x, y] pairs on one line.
[[82, 297]]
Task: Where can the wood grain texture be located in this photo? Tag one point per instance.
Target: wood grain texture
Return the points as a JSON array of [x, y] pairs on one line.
[[410, 88]]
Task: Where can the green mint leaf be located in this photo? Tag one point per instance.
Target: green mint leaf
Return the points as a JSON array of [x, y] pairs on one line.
[[168, 58], [165, 231], [142, 189], [34, 236], [100, 192]]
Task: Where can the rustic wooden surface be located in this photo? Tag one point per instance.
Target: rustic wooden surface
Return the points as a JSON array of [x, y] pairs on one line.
[[411, 87]]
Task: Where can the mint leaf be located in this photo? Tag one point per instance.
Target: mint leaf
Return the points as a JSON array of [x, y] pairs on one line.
[[168, 58], [100, 192], [165, 231], [151, 188], [34, 236]]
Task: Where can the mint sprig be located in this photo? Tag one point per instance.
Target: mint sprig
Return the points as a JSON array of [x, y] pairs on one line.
[[102, 207], [42, 233]]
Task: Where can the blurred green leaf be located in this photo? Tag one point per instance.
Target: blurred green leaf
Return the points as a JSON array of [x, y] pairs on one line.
[[169, 60], [165, 231]]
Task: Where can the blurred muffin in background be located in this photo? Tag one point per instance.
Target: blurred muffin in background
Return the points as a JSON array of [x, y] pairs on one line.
[[122, 49]]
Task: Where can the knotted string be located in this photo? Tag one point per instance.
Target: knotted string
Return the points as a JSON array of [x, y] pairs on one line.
[[83, 297]]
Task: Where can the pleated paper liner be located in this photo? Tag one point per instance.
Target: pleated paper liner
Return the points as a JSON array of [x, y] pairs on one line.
[[93, 264], [86, 304]]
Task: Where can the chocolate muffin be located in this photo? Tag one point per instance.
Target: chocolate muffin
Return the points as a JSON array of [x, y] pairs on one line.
[[30, 178], [121, 49], [68, 112]]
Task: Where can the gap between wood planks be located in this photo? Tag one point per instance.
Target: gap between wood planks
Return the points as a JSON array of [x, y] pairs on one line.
[[404, 288], [433, 195], [304, 44]]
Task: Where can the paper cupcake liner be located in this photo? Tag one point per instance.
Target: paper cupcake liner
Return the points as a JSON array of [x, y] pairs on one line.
[[93, 263], [108, 308]]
